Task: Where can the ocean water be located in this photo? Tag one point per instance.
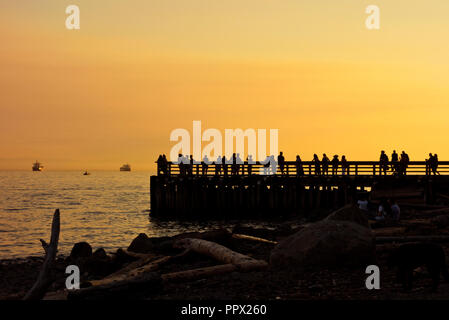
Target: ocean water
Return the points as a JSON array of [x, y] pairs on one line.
[[106, 209]]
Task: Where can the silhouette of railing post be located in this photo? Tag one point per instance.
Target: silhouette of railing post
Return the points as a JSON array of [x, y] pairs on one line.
[[356, 169]]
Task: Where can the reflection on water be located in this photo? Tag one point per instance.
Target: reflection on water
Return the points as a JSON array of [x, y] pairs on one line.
[[107, 209]]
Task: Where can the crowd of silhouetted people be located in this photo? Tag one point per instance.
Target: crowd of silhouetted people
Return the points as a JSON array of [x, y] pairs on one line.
[[325, 166]]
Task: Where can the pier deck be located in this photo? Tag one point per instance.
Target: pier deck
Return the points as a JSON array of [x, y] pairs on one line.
[[252, 194]]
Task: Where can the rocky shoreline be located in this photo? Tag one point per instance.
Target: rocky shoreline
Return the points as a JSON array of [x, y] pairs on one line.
[[339, 276]]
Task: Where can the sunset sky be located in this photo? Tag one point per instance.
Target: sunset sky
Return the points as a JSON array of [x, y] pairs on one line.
[[112, 92]]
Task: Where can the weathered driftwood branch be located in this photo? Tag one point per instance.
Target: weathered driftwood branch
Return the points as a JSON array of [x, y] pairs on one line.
[[213, 250], [246, 237], [45, 277], [199, 273], [137, 269], [437, 238], [234, 261]]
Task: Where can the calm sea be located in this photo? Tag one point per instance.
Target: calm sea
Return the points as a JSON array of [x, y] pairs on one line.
[[106, 209]]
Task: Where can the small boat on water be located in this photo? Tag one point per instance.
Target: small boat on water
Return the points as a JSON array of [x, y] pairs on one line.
[[37, 166], [125, 167], [86, 173]]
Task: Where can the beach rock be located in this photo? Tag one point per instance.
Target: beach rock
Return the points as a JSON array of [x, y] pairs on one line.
[[100, 253], [350, 213], [100, 264], [255, 232], [141, 244], [81, 250], [326, 244], [121, 258]]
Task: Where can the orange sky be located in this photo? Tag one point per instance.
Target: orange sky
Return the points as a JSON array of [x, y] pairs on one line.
[[113, 91]]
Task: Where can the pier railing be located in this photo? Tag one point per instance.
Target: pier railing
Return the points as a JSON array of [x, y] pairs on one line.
[[305, 168]]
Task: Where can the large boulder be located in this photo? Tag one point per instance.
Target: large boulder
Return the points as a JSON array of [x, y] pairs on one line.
[[326, 244], [141, 244], [351, 213], [100, 264], [81, 250]]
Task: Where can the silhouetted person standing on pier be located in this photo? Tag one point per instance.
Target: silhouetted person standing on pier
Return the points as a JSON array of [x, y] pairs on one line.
[[234, 165], [205, 165], [250, 164], [335, 163], [383, 162], [225, 166], [281, 162], [433, 163], [395, 160], [164, 164], [325, 162], [299, 167], [266, 165], [404, 163], [238, 162], [160, 165], [191, 165], [181, 164], [218, 166], [317, 164], [344, 166]]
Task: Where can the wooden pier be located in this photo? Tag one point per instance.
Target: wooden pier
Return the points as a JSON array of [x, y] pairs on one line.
[[249, 191]]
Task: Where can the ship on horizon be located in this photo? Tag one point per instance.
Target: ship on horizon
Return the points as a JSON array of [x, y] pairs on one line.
[[125, 167], [37, 166]]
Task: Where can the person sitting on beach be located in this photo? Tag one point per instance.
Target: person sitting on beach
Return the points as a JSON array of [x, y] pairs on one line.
[[325, 161], [281, 162], [335, 163], [363, 204], [383, 211], [344, 166], [395, 210], [383, 162], [299, 167], [317, 164]]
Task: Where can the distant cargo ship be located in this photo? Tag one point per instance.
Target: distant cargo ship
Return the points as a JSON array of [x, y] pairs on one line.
[[125, 167], [37, 166]]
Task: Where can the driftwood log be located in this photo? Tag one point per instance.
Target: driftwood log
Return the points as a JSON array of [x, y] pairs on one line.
[[45, 277], [436, 238], [136, 269], [234, 261], [257, 239]]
